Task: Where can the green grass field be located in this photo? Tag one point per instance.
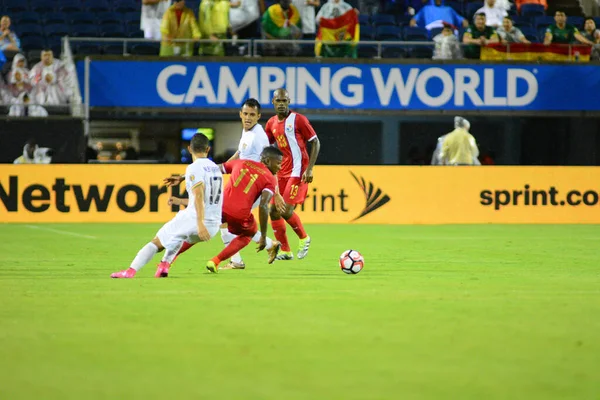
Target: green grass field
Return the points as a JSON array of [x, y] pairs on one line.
[[439, 312]]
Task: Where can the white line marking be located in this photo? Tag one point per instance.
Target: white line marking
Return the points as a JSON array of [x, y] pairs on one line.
[[61, 232]]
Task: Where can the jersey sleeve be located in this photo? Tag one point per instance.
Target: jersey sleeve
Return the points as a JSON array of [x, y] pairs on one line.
[[194, 176], [227, 166], [305, 128], [270, 183], [261, 142], [269, 132]]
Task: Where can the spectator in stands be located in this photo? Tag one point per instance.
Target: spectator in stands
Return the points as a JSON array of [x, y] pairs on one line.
[[18, 83], [213, 21], [593, 35], [493, 13], [563, 33], [478, 35], [459, 146], [22, 107], [242, 15], [19, 62], [435, 14], [447, 46], [179, 22], [282, 21], [33, 154], [369, 7], [508, 33], [540, 2], [8, 39], [330, 10], [152, 14], [307, 10], [49, 91], [119, 152], [60, 75], [414, 6]]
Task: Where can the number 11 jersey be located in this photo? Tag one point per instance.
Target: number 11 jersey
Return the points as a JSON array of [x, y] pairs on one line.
[[204, 171], [247, 182]]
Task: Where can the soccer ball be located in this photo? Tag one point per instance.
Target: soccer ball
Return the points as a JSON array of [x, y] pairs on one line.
[[351, 262]]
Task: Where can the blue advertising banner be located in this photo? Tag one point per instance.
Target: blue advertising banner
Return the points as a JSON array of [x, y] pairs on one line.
[[413, 87]]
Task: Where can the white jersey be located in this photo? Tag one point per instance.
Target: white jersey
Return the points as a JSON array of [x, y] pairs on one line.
[[252, 143], [205, 171]]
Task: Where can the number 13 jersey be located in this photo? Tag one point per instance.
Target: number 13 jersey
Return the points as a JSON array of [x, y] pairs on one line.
[[247, 182], [204, 171]]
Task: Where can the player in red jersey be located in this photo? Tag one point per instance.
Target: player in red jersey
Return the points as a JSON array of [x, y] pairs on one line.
[[291, 131], [249, 181]]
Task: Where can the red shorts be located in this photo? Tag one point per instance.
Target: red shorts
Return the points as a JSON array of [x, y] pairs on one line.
[[293, 190], [240, 227]]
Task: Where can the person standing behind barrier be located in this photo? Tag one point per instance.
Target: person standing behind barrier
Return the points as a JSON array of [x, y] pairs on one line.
[[459, 146], [213, 20], [152, 14], [178, 22]]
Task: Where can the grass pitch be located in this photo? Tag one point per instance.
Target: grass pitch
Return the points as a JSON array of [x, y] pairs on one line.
[[439, 312]]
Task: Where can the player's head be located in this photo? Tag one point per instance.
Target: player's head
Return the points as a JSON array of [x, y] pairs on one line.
[[281, 102], [271, 156], [250, 113], [460, 122], [199, 146]]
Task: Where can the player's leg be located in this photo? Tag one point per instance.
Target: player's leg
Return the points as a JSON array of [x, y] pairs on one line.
[[278, 225], [142, 258], [244, 231], [295, 193], [236, 261], [175, 237]]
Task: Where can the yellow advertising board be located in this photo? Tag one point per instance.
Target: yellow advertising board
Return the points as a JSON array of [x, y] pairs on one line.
[[339, 194]]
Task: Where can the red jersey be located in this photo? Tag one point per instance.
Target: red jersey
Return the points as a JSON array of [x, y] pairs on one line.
[[247, 182], [291, 136]]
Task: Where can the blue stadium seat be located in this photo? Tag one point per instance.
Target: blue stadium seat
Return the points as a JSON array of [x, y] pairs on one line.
[[55, 18], [25, 30], [576, 21], [115, 49], [403, 20], [15, 8], [27, 17], [366, 51], [134, 31], [112, 31], [522, 22], [472, 9], [542, 32], [532, 10], [42, 6], [58, 30], [87, 49], [55, 44], [364, 19], [33, 43], [543, 21], [132, 18], [146, 49], [414, 34], [455, 5], [383, 20], [110, 17], [81, 18], [394, 51], [529, 33], [366, 33], [425, 51], [81, 30], [98, 6], [434, 32], [387, 32], [125, 7], [70, 6], [597, 20]]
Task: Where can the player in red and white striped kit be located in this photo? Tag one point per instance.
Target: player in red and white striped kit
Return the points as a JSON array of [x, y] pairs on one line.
[[291, 132]]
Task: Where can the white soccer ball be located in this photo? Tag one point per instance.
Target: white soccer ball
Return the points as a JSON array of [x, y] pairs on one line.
[[351, 262]]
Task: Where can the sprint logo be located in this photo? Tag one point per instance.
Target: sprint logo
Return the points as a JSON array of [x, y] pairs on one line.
[[374, 196]]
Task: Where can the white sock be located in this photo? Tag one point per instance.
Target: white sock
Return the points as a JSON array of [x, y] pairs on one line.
[[170, 254], [227, 237], [256, 238], [144, 256]]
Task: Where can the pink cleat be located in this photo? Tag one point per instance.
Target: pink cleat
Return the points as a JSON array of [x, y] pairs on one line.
[[127, 273], [163, 270]]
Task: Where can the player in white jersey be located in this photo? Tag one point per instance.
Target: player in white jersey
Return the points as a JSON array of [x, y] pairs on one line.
[[198, 222]]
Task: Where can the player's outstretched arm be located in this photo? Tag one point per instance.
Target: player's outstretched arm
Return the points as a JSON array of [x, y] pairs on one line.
[[307, 176], [178, 201], [263, 218], [236, 156], [173, 180], [198, 191]]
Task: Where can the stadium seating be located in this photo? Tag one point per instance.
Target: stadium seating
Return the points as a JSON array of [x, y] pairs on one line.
[[414, 34], [530, 33], [387, 32], [384, 20], [543, 21], [522, 22], [472, 9], [532, 10]]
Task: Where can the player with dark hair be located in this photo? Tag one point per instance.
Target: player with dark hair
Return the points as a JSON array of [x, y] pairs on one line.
[[249, 181], [292, 132], [198, 222]]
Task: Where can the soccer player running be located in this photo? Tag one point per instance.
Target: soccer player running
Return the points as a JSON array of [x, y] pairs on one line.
[[249, 181], [291, 131], [198, 222]]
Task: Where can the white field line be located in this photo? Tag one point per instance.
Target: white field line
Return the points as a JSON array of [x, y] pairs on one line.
[[61, 232]]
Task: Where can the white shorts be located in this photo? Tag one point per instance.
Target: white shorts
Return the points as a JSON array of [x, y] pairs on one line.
[[183, 227]]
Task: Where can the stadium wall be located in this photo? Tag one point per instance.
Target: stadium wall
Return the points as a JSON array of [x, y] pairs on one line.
[[348, 194]]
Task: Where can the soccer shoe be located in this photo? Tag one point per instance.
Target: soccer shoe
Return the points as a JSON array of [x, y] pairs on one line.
[[273, 251], [234, 265], [284, 255], [163, 270], [212, 267], [126, 273], [303, 247]]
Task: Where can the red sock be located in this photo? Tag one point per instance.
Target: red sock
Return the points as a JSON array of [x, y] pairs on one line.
[[183, 249], [296, 225], [279, 227], [236, 245]]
